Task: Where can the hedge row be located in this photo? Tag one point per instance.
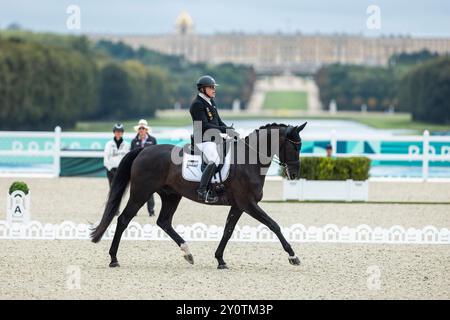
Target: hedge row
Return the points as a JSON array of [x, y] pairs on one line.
[[323, 168]]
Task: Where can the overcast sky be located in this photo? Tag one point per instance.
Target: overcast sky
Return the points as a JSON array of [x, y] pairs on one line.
[[417, 18]]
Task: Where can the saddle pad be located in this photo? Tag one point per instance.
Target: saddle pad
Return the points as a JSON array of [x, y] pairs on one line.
[[191, 168]]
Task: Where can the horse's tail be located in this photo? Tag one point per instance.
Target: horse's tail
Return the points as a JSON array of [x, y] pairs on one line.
[[118, 187]]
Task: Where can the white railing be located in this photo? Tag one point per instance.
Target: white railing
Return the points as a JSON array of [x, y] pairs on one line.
[[53, 146], [428, 152], [297, 233]]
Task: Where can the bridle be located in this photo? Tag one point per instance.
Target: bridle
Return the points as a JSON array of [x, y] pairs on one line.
[[284, 164], [297, 144]]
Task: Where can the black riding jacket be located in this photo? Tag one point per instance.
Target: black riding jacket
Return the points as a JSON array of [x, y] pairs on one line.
[[136, 142], [202, 111]]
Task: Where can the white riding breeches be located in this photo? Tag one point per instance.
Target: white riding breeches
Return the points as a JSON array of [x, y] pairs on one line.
[[209, 150]]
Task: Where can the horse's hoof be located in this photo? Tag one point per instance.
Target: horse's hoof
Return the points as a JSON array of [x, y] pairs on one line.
[[189, 258], [295, 261], [222, 266], [114, 264]]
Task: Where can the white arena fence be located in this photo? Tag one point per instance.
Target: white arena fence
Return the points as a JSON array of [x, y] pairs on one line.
[[48, 145], [297, 233]]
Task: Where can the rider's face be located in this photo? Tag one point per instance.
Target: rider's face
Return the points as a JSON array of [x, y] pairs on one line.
[[211, 91]]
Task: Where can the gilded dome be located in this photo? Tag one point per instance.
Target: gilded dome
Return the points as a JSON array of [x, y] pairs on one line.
[[184, 22]]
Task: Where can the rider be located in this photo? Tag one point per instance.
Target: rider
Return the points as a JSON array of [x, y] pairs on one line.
[[203, 109]]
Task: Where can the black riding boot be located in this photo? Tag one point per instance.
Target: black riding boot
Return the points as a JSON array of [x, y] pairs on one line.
[[202, 191]]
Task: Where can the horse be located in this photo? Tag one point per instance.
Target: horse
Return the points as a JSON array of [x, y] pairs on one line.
[[151, 170]]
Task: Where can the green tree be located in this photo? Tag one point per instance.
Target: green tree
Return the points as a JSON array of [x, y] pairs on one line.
[[425, 91], [115, 93], [43, 86]]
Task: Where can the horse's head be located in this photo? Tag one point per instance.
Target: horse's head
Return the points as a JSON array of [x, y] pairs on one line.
[[290, 145]]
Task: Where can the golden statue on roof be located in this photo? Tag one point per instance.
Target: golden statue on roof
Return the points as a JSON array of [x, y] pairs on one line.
[[184, 23]]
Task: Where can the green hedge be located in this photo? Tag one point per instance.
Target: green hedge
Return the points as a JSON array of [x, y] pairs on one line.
[[323, 168]]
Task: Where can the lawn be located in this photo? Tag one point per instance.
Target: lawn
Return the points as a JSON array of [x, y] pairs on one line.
[[297, 100], [102, 126], [182, 118], [397, 121]]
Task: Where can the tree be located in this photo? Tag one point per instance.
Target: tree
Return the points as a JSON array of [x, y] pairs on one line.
[[425, 91], [48, 80], [413, 58], [180, 76], [351, 86], [115, 93], [43, 86]]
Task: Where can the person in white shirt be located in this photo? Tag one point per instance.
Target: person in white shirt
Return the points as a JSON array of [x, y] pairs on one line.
[[115, 150]]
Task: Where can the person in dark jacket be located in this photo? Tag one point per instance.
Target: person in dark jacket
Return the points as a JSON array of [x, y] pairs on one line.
[[203, 110], [142, 140]]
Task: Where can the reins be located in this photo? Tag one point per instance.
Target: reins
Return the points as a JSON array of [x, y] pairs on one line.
[[283, 164]]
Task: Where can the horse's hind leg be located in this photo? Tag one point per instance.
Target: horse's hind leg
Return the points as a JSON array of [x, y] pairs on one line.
[[132, 207], [169, 205], [233, 217]]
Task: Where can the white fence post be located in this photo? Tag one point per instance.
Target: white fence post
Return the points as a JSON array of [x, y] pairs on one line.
[[425, 154], [57, 152]]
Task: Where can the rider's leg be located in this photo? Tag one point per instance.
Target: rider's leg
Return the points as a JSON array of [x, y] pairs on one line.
[[202, 191], [209, 150]]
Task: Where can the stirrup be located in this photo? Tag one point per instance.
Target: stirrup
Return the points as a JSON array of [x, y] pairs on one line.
[[214, 198], [204, 195]]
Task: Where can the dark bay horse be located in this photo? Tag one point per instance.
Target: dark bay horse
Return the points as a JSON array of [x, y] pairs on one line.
[[152, 170]]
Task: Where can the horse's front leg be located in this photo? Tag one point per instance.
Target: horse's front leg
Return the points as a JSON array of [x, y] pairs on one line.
[[233, 217], [256, 212]]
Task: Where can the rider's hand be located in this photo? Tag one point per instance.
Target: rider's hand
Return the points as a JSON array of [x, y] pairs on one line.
[[233, 133]]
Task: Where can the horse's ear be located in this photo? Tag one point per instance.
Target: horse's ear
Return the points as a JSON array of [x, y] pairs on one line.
[[300, 128]]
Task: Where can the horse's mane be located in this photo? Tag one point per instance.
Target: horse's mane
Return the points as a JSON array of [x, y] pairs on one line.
[[269, 125]]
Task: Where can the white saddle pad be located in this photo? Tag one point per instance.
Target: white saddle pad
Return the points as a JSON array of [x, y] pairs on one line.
[[191, 168]]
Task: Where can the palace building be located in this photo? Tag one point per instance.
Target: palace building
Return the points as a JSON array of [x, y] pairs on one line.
[[271, 53]]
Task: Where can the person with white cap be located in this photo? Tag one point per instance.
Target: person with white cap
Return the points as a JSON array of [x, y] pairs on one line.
[[115, 150], [142, 140]]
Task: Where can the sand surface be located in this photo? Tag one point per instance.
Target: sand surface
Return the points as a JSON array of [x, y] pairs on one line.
[[156, 270], [37, 269]]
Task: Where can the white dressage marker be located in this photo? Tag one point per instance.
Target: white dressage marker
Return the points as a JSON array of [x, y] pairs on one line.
[[18, 207]]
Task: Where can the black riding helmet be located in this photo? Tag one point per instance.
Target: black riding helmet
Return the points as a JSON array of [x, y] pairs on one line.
[[118, 127], [206, 81]]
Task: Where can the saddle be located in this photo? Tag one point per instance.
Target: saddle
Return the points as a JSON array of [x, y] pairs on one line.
[[195, 150], [194, 164]]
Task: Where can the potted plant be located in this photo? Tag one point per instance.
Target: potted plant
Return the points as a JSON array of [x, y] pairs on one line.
[[19, 185], [329, 179], [18, 204]]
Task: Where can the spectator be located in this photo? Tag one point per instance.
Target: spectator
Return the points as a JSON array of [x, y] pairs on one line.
[[142, 140], [329, 150], [115, 150]]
